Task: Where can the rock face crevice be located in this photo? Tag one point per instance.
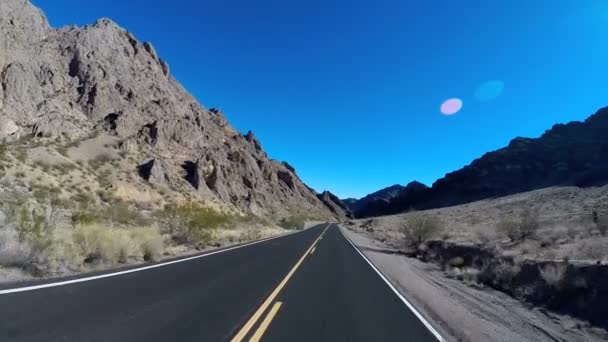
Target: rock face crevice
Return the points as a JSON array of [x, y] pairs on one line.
[[76, 81], [191, 174]]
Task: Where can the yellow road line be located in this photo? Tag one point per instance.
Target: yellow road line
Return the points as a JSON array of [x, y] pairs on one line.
[[245, 329], [266, 322], [313, 250]]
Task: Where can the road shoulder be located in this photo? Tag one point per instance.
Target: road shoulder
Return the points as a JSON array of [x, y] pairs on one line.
[[461, 312]]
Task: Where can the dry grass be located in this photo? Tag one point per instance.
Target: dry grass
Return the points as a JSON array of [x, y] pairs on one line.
[[114, 245]]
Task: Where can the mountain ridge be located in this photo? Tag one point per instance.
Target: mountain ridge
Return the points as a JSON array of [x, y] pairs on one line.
[[574, 153]]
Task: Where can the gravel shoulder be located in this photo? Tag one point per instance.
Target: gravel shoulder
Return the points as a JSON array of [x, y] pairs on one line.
[[463, 312]]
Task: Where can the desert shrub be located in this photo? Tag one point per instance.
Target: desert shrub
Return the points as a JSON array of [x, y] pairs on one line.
[[21, 155], [62, 255], [250, 234], [485, 235], [591, 250], [553, 274], [13, 251], [192, 223], [99, 160], [594, 217], [504, 272], [529, 223], [64, 168], [84, 218], [82, 199], [3, 152], [119, 212], [601, 224], [419, 228], [149, 241], [296, 222], [116, 245], [525, 226], [33, 229]]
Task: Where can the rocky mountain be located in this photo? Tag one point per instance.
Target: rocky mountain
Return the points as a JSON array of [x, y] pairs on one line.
[[334, 204], [380, 202], [574, 154], [66, 87], [381, 195]]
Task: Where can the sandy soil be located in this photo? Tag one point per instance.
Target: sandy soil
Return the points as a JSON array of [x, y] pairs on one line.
[[461, 312]]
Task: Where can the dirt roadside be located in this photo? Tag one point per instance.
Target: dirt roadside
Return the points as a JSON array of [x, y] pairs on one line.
[[462, 312]]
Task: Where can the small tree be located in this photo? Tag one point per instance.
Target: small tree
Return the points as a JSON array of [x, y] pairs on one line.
[[419, 228]]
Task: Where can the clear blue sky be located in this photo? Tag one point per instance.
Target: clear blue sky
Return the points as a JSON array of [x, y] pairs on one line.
[[349, 91]]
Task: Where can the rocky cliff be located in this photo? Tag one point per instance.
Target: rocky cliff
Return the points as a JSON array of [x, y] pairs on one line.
[[573, 154], [68, 85]]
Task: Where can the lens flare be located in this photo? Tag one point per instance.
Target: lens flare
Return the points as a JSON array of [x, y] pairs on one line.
[[490, 90], [451, 106]]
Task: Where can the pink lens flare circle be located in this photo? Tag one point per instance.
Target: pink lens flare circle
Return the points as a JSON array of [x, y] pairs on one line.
[[451, 106]]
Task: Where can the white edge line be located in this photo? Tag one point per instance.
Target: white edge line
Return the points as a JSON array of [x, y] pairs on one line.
[[409, 305], [108, 275]]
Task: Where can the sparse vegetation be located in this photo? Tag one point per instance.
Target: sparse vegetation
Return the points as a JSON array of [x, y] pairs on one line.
[[294, 222], [553, 274], [99, 161], [522, 228], [419, 228], [121, 213], [33, 229], [192, 223], [601, 224], [115, 245], [21, 155]]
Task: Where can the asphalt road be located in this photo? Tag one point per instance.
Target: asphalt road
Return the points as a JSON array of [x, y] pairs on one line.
[[309, 286]]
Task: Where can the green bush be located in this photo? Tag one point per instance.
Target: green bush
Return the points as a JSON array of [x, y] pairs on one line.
[[419, 228]]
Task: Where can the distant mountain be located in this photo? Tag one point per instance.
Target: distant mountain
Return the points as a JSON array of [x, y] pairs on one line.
[[574, 154], [381, 202], [335, 205], [381, 195]]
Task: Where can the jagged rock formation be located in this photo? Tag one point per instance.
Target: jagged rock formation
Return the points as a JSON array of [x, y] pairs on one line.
[[74, 82], [574, 154]]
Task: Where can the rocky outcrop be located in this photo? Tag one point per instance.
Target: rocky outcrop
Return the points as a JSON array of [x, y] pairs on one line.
[[333, 203], [77, 81], [152, 171], [572, 154]]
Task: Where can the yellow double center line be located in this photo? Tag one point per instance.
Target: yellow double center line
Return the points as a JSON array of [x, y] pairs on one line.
[[251, 322]]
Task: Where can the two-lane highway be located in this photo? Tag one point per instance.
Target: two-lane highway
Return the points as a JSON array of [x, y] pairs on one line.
[[309, 286]]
